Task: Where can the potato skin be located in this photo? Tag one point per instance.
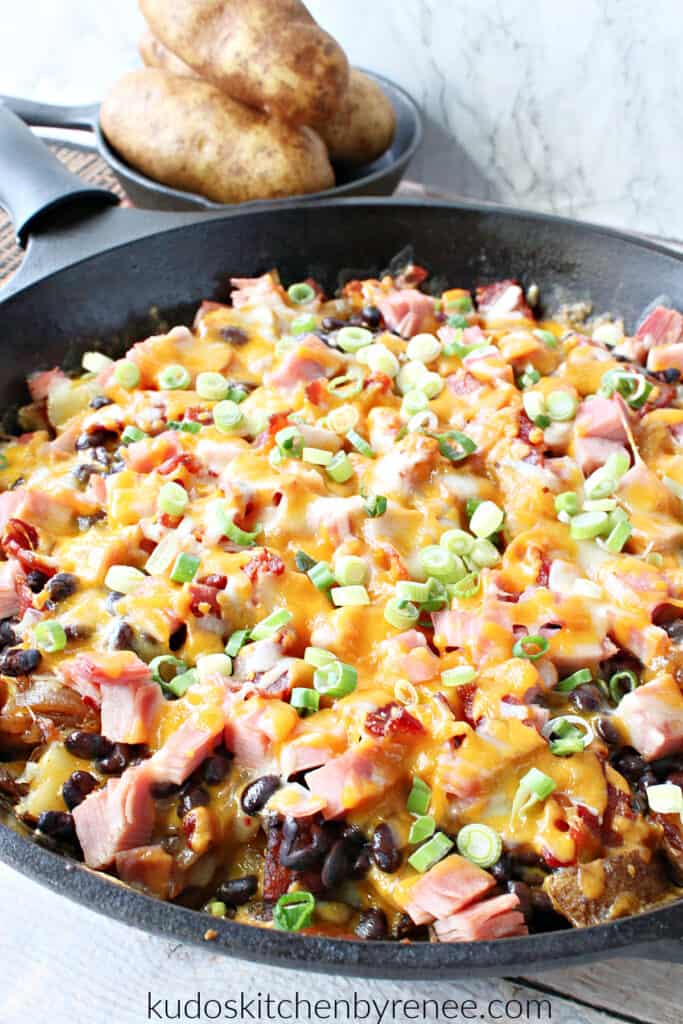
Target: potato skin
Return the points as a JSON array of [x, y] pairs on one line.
[[364, 125], [186, 134], [269, 54], [154, 54]]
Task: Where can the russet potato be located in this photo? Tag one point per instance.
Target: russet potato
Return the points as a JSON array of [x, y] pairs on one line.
[[270, 55], [364, 124], [187, 134], [155, 55]]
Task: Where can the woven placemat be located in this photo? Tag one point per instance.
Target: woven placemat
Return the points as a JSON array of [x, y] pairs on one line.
[[89, 166]]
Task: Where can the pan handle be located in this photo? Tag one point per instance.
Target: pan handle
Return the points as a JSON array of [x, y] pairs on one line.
[[48, 115], [33, 181]]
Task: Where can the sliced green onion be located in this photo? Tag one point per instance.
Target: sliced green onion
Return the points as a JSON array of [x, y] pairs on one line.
[[340, 468], [375, 506], [432, 384], [132, 434], [236, 393], [431, 852], [458, 676], [304, 324], [345, 386], [173, 499], [621, 683], [349, 597], [578, 678], [459, 542], [303, 561], [602, 505], [484, 554], [318, 656], [633, 387], [342, 419], [463, 446], [212, 386], [588, 525], [401, 614], [174, 378], [530, 377], [459, 322], [294, 910], [271, 625], [351, 339], [301, 293], [124, 579], [50, 636], [244, 538], [460, 348], [187, 426], [127, 374], [562, 406], [480, 844], [165, 668], [380, 359], [321, 576], [304, 700], [422, 828], [533, 788], [213, 665], [350, 570], [414, 401], [487, 519], [290, 442], [666, 798], [419, 797], [618, 536], [535, 407], [410, 377], [425, 348], [408, 590], [547, 337], [227, 416], [568, 745], [531, 647], [236, 642], [463, 304], [439, 562], [618, 464], [316, 456], [360, 444], [217, 908], [182, 683], [467, 587], [4, 461], [185, 568], [95, 362], [600, 484], [336, 679]]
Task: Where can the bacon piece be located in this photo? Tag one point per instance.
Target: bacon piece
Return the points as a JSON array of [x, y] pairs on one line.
[[653, 718], [185, 749], [406, 311], [661, 327], [392, 720], [264, 563], [503, 300], [498, 918], [447, 888], [118, 817]]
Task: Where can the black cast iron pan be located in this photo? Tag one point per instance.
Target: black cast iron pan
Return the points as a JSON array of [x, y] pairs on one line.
[[92, 276], [379, 178]]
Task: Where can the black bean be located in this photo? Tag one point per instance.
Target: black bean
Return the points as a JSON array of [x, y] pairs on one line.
[[332, 323], [88, 745], [63, 585], [257, 794], [17, 483], [116, 762], [18, 662], [237, 891], [77, 787], [178, 638], [586, 698], [163, 790], [362, 863], [36, 580], [665, 766], [84, 523], [676, 778], [630, 764], [111, 599], [78, 631], [355, 320], [304, 845], [116, 464], [607, 731], [120, 636], [216, 768], [99, 402], [674, 630], [7, 634], [385, 853], [354, 838], [57, 825], [501, 870], [197, 796], [540, 901], [95, 438], [671, 375], [371, 316], [647, 779], [405, 928], [523, 893], [372, 925], [83, 472], [337, 865], [233, 335]]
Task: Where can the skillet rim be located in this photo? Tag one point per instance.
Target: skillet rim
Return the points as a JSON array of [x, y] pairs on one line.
[[108, 896]]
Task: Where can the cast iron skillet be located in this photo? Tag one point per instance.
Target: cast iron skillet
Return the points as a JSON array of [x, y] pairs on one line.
[[92, 275], [379, 178]]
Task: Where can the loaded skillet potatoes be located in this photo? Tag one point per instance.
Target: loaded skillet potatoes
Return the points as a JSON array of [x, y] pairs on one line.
[[355, 615]]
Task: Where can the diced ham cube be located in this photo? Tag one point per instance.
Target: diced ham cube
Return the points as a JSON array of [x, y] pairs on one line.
[[262, 291], [97, 669], [129, 713], [593, 452], [363, 773], [186, 748], [311, 750], [498, 918], [448, 887], [10, 502], [118, 817], [310, 360], [503, 300], [10, 574], [661, 327], [144, 456], [254, 725], [601, 417], [295, 801], [652, 716], [412, 658], [406, 311]]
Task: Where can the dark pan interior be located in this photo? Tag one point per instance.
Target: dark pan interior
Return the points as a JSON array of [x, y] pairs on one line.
[[124, 293]]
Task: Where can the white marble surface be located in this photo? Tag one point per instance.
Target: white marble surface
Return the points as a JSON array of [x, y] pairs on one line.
[[570, 107]]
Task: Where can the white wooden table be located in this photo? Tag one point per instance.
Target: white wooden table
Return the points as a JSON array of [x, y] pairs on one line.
[[61, 964]]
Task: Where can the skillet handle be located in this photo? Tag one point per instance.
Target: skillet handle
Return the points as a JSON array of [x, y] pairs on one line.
[[48, 115], [33, 181]]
